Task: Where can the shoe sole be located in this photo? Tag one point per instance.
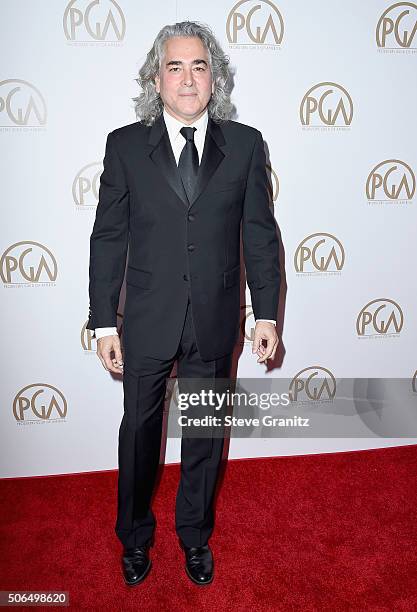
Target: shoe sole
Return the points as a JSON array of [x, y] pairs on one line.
[[142, 578], [195, 581]]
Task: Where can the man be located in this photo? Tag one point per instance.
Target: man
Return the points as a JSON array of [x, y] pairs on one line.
[[176, 189]]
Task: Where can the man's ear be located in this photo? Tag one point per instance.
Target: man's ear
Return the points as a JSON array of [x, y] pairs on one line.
[[157, 83]]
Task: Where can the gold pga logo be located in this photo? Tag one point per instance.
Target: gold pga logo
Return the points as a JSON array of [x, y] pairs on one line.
[[39, 402], [273, 183], [255, 23], [88, 343], [85, 187], [313, 384], [247, 324], [28, 262], [397, 27], [21, 104], [96, 20], [328, 104], [392, 180], [319, 253], [380, 317]]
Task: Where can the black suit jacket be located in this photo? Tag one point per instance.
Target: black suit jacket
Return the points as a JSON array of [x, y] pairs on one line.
[[175, 246]]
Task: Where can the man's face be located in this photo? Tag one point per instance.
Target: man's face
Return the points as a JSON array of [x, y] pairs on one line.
[[184, 81]]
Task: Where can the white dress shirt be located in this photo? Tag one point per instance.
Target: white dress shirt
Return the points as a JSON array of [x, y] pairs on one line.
[[177, 141]]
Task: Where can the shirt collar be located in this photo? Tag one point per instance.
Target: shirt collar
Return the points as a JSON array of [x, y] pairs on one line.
[[174, 126]]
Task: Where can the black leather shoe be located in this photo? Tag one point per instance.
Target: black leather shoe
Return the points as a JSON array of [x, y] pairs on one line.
[[136, 564], [199, 563]]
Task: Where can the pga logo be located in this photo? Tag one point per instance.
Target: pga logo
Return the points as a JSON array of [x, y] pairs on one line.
[[94, 20]]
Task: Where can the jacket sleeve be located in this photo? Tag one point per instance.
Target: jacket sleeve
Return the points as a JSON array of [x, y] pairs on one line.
[[108, 240], [260, 239]]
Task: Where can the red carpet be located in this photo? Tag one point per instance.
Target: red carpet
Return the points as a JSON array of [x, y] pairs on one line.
[[320, 532]]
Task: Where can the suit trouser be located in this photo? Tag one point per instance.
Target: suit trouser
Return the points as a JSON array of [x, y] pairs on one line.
[[140, 436]]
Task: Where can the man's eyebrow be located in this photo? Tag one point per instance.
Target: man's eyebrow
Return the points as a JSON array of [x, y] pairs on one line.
[[179, 62]]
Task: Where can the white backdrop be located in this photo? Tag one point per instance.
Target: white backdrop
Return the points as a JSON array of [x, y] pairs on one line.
[[331, 85]]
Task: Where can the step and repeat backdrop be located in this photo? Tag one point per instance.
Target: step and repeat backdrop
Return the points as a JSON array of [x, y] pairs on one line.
[[332, 86]]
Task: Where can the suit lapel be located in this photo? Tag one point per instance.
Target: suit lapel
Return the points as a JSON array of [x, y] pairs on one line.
[[163, 156], [211, 158]]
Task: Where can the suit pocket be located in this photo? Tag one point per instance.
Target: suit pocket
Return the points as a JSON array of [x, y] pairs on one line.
[[138, 277], [226, 185], [231, 277]]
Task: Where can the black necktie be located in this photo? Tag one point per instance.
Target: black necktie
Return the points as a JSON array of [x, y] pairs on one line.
[[188, 161]]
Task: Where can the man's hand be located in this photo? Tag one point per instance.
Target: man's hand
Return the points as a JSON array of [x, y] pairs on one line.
[[107, 345], [265, 331]]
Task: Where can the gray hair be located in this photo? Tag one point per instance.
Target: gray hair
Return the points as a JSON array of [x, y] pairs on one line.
[[148, 105]]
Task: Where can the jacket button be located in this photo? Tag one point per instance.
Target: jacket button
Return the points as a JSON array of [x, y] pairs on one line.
[[185, 277], [190, 217], [191, 247]]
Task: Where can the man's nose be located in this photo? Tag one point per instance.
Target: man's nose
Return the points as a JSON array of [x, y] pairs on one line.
[[188, 77]]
